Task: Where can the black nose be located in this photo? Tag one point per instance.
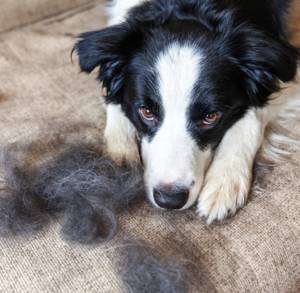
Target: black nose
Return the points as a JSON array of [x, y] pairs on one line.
[[172, 198]]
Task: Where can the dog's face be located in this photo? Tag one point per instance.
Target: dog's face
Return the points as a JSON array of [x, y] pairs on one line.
[[181, 98], [183, 86], [173, 119]]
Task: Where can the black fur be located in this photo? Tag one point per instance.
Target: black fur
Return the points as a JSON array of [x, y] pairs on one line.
[[246, 56], [110, 49]]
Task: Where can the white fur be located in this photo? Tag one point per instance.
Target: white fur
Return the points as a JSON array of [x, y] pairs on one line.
[[119, 136], [118, 9], [228, 180], [172, 156], [280, 130]]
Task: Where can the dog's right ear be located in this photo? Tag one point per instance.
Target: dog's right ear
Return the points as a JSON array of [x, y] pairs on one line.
[[109, 49]]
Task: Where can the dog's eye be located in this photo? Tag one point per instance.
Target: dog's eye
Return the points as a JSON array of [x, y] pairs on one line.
[[147, 114], [210, 120]]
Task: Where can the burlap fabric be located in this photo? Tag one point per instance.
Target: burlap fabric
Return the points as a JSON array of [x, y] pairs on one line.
[[17, 13], [42, 92]]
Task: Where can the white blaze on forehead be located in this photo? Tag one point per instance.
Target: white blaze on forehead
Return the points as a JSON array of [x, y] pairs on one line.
[[178, 70], [172, 156]]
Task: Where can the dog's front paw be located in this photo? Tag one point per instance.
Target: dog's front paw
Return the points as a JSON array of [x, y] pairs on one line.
[[223, 194], [120, 137], [123, 153], [121, 146]]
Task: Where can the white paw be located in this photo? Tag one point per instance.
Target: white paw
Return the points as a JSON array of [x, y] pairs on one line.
[[223, 194], [123, 152], [120, 137]]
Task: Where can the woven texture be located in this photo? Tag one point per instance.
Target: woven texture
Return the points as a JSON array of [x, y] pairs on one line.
[[17, 13], [41, 90]]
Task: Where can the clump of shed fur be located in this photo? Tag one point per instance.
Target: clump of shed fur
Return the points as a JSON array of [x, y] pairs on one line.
[[143, 272], [85, 187]]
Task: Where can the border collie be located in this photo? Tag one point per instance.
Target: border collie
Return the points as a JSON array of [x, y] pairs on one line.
[[190, 87]]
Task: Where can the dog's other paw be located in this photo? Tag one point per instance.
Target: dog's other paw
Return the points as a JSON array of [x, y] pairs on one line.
[[229, 177], [120, 137], [223, 194], [122, 153]]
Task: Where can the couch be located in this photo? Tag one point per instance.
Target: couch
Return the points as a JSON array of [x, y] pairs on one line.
[[43, 94]]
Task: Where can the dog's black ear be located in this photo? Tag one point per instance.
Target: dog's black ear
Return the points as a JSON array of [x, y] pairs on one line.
[[109, 49], [264, 61]]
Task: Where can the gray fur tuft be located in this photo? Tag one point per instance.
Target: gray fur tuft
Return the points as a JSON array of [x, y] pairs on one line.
[[85, 187]]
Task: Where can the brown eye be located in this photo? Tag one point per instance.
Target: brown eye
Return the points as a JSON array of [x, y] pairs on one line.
[[211, 119], [146, 114]]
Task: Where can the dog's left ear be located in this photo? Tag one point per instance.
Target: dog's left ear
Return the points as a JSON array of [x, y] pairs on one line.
[[264, 60], [109, 49]]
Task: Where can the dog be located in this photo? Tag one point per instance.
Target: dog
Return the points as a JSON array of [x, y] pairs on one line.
[[191, 86]]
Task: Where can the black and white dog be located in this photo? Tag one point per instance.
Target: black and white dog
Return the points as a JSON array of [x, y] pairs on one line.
[[197, 81]]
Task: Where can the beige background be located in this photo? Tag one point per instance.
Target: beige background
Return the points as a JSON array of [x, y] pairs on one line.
[[14, 13]]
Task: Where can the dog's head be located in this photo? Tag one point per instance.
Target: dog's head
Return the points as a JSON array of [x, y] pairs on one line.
[[183, 79]]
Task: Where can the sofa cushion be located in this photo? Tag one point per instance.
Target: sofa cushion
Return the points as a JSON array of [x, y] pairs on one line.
[[42, 92], [17, 13]]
